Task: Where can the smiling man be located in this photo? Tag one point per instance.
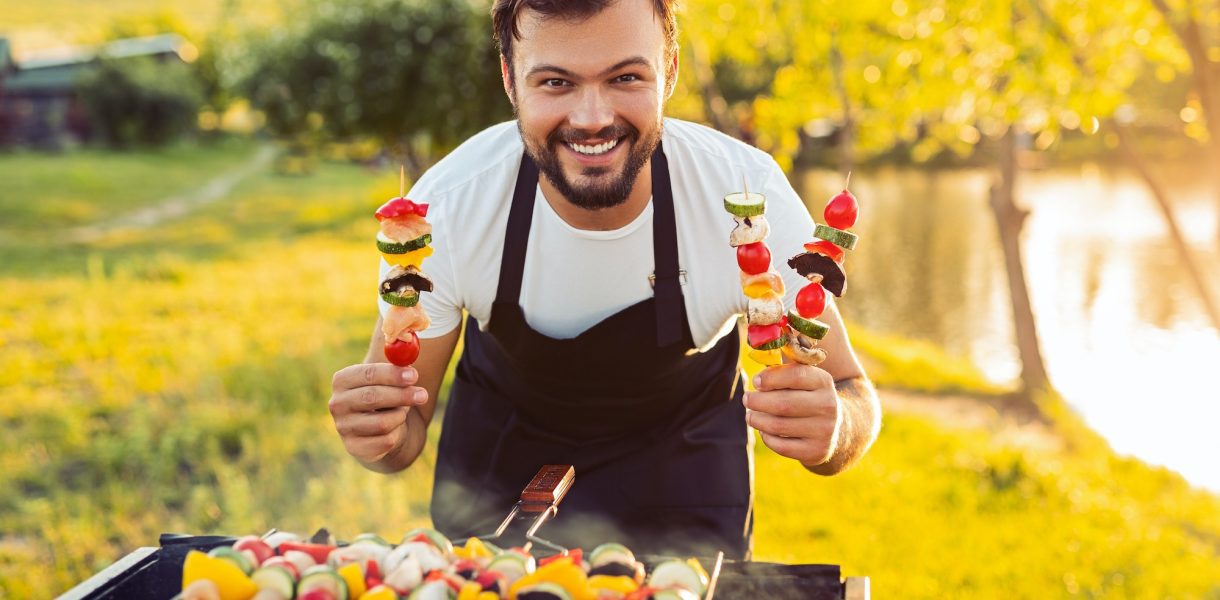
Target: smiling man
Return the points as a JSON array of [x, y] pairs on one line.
[[587, 243]]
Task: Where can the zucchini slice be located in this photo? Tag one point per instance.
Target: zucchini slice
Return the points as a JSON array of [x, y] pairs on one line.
[[843, 239], [389, 246], [741, 205]]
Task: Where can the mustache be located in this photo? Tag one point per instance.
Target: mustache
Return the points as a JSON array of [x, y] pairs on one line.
[[570, 135]]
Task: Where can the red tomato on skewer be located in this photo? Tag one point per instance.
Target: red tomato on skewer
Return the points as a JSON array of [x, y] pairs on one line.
[[403, 352]]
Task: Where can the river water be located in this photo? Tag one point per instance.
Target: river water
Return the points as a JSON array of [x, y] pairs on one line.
[[1125, 338]]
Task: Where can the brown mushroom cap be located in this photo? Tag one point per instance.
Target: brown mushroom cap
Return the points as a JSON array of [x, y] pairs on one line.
[[808, 264]]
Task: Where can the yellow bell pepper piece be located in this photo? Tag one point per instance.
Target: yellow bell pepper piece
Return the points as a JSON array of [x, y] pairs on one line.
[[380, 592], [757, 290], [614, 583], [470, 591], [414, 257], [767, 358], [561, 572], [233, 583], [354, 576], [474, 548], [488, 596]]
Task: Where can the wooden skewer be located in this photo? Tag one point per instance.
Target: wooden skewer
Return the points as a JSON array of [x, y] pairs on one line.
[[402, 181], [847, 183], [745, 187]]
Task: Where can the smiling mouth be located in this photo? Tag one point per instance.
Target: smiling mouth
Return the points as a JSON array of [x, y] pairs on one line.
[[595, 149]]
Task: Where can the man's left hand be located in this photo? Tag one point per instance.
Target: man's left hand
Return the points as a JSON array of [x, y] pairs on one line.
[[796, 411]]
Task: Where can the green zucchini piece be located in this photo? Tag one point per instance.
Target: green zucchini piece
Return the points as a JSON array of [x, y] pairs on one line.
[[274, 578], [611, 552], [391, 247], [810, 327], [741, 205], [843, 239], [407, 300], [324, 577], [774, 344]]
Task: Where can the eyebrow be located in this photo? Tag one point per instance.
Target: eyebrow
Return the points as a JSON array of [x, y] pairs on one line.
[[545, 68]]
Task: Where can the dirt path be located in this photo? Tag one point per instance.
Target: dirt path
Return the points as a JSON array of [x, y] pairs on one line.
[[1009, 422], [177, 206]]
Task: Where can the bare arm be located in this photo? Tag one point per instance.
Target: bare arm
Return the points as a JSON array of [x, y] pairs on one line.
[[382, 411]]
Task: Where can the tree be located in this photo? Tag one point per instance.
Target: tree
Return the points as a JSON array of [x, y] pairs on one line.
[[140, 100], [419, 76]]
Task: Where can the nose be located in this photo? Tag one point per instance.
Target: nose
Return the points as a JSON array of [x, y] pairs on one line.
[[593, 111]]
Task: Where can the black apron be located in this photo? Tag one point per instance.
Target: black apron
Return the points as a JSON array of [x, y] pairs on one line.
[[657, 433]]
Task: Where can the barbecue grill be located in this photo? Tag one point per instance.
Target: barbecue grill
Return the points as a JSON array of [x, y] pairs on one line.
[[155, 573]]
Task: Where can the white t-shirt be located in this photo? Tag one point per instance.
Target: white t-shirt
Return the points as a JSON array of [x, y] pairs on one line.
[[575, 278]]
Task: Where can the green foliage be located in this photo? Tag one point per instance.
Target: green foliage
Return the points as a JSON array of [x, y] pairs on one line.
[[141, 101], [394, 70]]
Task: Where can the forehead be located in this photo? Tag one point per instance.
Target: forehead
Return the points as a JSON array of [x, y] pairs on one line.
[[622, 30]]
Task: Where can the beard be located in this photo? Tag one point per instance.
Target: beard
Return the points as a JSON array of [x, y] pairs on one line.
[[596, 188]]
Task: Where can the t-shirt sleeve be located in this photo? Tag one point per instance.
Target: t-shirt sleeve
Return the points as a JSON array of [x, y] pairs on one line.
[[791, 227], [442, 304]]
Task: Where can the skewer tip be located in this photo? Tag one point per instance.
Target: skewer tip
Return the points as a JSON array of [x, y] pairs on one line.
[[847, 182], [402, 180]]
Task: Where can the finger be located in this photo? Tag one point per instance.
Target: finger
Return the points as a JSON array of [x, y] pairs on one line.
[[797, 448], [356, 376], [372, 398], [371, 424], [793, 403], [371, 449], [792, 376], [788, 427]]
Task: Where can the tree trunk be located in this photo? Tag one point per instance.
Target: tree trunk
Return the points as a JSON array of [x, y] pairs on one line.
[[1204, 81], [1179, 241], [1009, 221], [715, 107]]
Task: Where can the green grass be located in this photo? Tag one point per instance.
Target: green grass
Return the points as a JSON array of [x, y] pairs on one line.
[[43, 191], [176, 380]]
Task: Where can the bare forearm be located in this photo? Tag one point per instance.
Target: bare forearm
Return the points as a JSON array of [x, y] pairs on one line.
[[859, 423]]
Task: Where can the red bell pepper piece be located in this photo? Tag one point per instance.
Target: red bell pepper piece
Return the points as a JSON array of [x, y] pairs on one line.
[[400, 207], [576, 554], [318, 552]]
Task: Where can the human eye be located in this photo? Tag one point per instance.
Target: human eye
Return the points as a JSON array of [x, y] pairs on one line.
[[555, 82], [627, 78]]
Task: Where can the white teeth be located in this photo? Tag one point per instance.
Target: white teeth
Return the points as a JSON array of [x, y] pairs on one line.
[[594, 150]]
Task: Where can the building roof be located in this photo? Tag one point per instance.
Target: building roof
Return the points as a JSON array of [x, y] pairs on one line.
[[57, 69]]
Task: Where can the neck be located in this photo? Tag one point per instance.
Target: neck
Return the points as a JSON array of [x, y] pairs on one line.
[[606, 219]]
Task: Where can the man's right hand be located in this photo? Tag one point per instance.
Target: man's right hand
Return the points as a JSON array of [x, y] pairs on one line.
[[369, 403]]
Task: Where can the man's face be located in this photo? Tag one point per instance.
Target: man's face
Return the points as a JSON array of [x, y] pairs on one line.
[[588, 97]]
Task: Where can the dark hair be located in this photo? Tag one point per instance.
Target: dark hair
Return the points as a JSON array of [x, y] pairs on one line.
[[506, 14]]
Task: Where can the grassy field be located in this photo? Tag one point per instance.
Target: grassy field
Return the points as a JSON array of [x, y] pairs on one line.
[[175, 379]]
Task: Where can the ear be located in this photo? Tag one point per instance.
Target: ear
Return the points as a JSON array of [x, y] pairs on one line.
[[671, 79], [507, 78]]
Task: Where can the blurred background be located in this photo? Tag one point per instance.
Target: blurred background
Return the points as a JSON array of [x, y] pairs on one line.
[[186, 192]]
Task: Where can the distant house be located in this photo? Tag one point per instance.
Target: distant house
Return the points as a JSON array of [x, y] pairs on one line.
[[38, 102]]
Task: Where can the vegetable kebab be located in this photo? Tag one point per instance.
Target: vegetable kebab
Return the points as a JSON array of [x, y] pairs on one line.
[[822, 265], [403, 241], [766, 323]]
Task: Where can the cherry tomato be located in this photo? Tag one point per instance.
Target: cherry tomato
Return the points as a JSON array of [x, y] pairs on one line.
[[757, 335], [841, 211], [754, 258], [824, 247], [403, 352], [811, 301]]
